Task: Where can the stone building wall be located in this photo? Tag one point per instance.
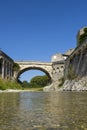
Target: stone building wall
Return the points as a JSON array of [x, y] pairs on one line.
[[58, 61], [58, 70]]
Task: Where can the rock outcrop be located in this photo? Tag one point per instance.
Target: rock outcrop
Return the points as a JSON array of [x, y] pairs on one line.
[[75, 85]]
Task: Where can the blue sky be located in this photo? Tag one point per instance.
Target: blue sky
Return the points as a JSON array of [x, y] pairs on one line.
[[37, 29]]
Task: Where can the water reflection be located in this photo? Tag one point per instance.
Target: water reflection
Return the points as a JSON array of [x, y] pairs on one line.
[[43, 111]]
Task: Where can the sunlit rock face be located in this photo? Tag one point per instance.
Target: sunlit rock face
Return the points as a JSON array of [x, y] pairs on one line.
[[75, 85]]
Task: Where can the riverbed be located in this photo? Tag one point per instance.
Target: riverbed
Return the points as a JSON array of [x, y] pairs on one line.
[[43, 111]]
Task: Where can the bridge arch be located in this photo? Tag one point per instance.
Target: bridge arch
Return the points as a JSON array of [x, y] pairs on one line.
[[44, 67], [34, 68]]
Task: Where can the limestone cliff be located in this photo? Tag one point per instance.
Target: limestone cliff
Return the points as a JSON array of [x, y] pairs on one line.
[[75, 73]]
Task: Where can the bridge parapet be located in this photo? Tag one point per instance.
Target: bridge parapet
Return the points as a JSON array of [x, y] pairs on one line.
[[33, 62]]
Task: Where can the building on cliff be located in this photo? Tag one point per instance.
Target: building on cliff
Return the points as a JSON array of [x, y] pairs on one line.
[[58, 64]]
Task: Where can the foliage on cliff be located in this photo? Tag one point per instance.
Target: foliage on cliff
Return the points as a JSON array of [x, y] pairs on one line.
[[83, 36]]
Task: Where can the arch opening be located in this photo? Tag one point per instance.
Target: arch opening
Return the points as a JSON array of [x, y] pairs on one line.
[[29, 74], [40, 71]]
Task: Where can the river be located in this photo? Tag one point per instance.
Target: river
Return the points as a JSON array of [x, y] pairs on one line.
[[43, 111]]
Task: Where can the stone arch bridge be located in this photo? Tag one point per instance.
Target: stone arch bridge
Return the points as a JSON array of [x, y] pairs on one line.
[[53, 69], [46, 67]]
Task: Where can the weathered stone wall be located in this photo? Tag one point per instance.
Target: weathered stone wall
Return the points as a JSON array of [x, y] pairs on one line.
[[57, 74], [58, 63], [58, 70]]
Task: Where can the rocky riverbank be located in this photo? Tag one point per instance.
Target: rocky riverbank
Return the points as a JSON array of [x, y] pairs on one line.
[[11, 90], [69, 85], [75, 85], [19, 90]]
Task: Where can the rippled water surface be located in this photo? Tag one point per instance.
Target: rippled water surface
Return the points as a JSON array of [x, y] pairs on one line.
[[43, 111]]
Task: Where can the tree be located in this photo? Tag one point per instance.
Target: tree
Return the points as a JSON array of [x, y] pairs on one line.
[[16, 67], [39, 81], [25, 84]]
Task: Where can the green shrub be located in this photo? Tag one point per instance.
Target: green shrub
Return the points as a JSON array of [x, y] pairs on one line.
[[39, 81], [5, 84]]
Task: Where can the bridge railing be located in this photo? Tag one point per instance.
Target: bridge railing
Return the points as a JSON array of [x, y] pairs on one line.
[[33, 62]]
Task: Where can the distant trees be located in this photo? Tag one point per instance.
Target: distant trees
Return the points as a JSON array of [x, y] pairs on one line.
[[25, 84], [37, 81]]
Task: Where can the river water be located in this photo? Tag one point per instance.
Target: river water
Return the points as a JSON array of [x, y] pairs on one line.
[[43, 111]]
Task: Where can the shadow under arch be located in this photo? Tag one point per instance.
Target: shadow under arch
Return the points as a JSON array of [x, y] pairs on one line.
[[34, 68]]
